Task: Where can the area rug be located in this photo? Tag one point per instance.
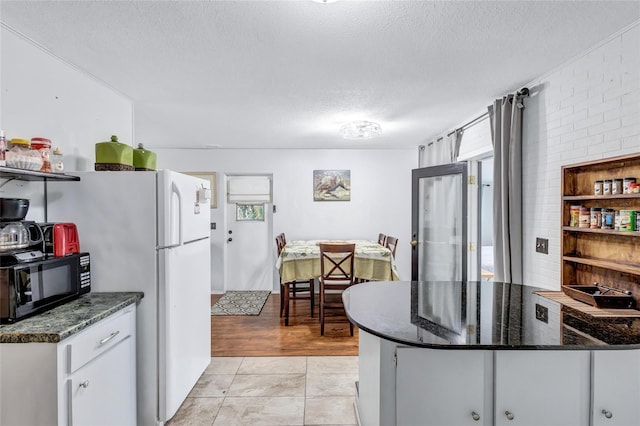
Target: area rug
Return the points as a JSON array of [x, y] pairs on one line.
[[240, 303]]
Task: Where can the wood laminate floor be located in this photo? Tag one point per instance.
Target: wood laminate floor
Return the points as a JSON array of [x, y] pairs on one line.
[[266, 334]]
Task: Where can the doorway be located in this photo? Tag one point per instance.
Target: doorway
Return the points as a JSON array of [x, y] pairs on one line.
[[248, 229]]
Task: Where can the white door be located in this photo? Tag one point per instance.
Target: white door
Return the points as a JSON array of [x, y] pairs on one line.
[[249, 248]]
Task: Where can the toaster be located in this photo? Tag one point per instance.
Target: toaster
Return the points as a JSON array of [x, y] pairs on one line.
[[60, 239]]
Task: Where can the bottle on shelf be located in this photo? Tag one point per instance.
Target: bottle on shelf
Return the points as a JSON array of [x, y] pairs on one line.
[[57, 161]]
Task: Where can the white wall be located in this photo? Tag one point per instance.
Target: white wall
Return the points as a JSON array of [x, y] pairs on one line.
[[42, 96], [380, 194], [587, 109]]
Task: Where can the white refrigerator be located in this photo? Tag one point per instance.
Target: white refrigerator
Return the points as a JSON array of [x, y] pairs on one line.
[[149, 231]]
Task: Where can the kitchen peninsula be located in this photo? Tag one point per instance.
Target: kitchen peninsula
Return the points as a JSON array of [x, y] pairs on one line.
[[73, 364], [488, 353]]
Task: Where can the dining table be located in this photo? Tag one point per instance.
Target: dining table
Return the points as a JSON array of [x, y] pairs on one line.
[[300, 260]]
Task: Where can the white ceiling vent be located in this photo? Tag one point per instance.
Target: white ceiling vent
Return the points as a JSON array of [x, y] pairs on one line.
[[249, 189]]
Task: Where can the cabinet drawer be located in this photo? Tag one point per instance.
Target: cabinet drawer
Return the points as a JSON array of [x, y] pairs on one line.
[[98, 338]]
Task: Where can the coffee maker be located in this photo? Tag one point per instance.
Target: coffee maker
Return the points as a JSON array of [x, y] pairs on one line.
[[20, 240]]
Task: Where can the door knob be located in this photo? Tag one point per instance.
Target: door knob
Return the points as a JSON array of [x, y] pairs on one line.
[[230, 231], [509, 415], [475, 416], [229, 240], [608, 414], [413, 243]]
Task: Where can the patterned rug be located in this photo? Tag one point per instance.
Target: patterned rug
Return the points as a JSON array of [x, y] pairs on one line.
[[240, 303]]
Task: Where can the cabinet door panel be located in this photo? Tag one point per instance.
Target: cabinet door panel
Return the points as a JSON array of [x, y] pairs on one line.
[[542, 388], [443, 387], [616, 386], [103, 391]]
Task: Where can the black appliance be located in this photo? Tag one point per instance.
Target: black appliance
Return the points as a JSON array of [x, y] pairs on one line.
[[31, 282]]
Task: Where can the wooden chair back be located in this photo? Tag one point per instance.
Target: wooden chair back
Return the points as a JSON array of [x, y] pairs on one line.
[[392, 244], [280, 243], [336, 273], [337, 264], [382, 240]]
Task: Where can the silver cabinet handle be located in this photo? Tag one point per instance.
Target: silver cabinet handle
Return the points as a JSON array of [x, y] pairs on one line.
[[608, 414], [109, 337], [509, 415], [475, 416], [84, 384]]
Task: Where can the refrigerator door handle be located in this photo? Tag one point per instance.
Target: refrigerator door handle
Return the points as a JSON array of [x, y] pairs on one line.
[[176, 190]]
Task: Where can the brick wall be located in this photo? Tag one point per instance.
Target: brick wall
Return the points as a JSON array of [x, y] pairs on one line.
[[589, 108]]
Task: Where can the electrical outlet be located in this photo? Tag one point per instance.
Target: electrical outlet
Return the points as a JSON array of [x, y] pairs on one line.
[[542, 245], [542, 313]]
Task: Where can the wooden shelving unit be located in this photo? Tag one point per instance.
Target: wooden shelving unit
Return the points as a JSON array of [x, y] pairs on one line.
[[591, 255]]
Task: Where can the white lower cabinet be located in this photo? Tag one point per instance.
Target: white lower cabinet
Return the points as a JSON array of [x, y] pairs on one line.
[[615, 382], [444, 387], [542, 388], [441, 387], [87, 379]]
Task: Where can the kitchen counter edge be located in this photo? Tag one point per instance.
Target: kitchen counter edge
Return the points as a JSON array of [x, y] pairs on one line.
[[400, 312], [68, 319]]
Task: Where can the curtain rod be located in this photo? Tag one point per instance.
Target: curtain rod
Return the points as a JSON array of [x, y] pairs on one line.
[[470, 123], [522, 92]]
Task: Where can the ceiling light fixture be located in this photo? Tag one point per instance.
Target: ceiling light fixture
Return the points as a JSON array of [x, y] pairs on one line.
[[360, 130]]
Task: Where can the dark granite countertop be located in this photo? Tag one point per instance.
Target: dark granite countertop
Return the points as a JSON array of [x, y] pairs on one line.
[[68, 319], [481, 315]]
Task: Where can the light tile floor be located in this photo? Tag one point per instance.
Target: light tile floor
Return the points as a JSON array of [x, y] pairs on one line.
[[273, 391]]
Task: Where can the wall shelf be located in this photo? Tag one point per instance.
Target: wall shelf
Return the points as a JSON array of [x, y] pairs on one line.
[[631, 234], [21, 174], [605, 264], [604, 198]]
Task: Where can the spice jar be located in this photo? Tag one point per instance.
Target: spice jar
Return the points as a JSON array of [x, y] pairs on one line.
[[584, 220], [596, 217], [574, 216], [43, 146], [616, 186], [608, 218], [57, 162], [606, 187], [597, 187], [626, 182]]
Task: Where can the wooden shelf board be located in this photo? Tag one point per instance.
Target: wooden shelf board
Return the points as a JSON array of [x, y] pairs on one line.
[[606, 264], [602, 231], [600, 197]]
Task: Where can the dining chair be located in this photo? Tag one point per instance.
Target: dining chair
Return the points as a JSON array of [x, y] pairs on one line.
[[336, 275], [392, 243], [382, 240], [291, 290]]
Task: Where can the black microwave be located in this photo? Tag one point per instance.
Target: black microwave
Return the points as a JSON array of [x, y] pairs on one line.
[[32, 287]]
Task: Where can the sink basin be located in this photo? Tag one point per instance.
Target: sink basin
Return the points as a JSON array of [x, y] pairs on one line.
[[601, 297]]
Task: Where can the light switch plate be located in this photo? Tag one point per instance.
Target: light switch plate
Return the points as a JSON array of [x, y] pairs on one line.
[[542, 245]]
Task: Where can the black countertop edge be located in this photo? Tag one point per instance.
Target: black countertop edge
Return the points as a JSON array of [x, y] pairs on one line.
[[68, 319], [402, 327]]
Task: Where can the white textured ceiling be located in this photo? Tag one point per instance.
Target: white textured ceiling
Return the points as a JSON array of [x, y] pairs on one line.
[[288, 74]]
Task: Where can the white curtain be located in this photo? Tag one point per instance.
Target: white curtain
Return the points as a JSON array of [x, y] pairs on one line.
[[506, 132], [442, 221], [442, 151]]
